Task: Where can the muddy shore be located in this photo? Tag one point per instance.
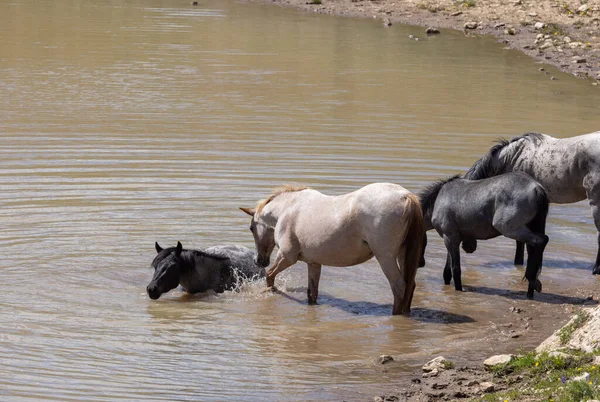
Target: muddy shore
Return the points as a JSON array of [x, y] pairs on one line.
[[565, 34]]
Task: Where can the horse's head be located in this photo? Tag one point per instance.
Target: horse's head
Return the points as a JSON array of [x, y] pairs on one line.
[[167, 270], [264, 238]]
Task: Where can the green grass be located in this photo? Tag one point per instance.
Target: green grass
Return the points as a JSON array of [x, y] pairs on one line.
[[448, 365], [468, 3], [566, 332], [553, 29], [546, 378]]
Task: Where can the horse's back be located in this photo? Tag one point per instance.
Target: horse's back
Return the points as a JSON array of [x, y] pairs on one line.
[[237, 257], [340, 230]]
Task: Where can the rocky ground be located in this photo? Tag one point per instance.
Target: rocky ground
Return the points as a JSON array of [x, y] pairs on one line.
[[564, 33], [565, 367]]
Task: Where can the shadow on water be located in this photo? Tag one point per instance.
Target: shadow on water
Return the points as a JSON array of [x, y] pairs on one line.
[[549, 298], [548, 264], [420, 314]]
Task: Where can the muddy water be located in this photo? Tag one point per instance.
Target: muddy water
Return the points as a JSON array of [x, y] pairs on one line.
[[128, 122]]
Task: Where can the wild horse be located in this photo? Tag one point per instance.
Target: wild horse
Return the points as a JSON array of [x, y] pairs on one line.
[[568, 168], [513, 205], [382, 220], [218, 268]]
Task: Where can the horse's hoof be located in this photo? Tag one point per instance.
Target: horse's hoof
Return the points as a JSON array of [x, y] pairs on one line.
[[458, 288], [596, 270]]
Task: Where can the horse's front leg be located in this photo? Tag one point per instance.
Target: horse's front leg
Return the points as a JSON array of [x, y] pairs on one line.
[[281, 263], [520, 253], [452, 244], [314, 275]]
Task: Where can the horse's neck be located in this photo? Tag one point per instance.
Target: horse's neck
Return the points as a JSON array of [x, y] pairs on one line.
[[273, 210]]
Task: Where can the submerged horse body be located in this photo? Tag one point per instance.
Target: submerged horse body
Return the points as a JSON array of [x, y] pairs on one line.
[[568, 168], [217, 268], [464, 211], [382, 220]]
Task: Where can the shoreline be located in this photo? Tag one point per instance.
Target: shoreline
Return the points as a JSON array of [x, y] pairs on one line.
[[564, 34]]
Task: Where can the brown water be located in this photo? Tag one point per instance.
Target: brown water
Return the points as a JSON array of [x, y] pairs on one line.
[[123, 123]]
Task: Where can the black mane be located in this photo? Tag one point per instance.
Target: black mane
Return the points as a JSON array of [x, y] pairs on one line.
[[186, 255], [484, 167], [430, 193]]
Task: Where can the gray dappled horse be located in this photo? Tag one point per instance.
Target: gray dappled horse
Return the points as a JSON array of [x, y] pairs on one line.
[[381, 219], [568, 168], [513, 205], [218, 268]]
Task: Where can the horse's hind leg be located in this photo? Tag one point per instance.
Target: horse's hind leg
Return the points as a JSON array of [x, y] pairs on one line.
[[452, 244], [536, 243], [535, 255], [448, 269], [389, 266], [520, 253], [314, 275]]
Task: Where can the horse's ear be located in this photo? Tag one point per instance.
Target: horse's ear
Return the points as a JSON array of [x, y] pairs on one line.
[[249, 211], [179, 248], [157, 247]]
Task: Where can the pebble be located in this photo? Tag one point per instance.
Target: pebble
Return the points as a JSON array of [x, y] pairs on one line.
[[456, 14], [552, 78], [498, 360], [194, 3], [387, 22], [470, 25], [579, 60], [510, 31], [583, 8], [515, 310], [432, 31], [583, 377], [542, 69], [487, 386], [539, 25], [532, 14], [383, 359]]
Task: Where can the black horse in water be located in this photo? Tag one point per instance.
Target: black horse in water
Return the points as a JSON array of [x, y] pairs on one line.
[[218, 268], [512, 204]]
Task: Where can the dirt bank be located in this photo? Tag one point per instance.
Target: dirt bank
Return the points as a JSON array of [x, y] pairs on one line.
[[562, 33]]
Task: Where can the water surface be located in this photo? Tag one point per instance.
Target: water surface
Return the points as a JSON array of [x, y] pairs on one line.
[[129, 122]]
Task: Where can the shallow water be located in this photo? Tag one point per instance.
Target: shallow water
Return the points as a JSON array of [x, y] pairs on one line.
[[129, 122]]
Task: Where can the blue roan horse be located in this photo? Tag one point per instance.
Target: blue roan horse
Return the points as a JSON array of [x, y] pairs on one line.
[[218, 268], [464, 211], [568, 168]]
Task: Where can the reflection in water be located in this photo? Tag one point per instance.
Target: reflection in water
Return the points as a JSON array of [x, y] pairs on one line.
[[126, 123]]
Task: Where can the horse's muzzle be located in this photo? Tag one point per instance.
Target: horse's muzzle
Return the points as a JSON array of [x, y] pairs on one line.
[[153, 292], [262, 262]]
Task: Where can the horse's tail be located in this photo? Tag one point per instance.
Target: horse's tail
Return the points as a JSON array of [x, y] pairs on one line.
[[538, 225], [413, 243]]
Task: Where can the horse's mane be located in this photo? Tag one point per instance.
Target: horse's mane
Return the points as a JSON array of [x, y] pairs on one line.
[[164, 253], [430, 193], [286, 188], [485, 167]]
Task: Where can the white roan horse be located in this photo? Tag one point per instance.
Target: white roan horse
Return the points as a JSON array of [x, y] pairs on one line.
[[381, 219], [568, 168]]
